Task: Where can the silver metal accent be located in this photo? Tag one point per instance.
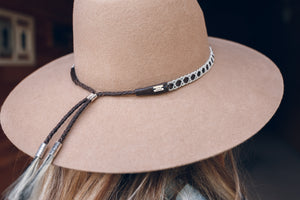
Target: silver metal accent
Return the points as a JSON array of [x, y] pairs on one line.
[[73, 66], [206, 67], [158, 88], [92, 97], [40, 152], [54, 150]]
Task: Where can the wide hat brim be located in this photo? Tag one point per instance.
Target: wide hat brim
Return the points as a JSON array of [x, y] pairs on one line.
[[228, 105]]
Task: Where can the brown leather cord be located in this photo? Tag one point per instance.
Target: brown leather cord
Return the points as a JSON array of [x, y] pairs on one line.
[[73, 120], [82, 105], [140, 91], [52, 133], [121, 93], [84, 86], [80, 84]]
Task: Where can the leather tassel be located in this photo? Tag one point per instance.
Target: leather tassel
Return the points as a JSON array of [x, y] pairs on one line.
[[33, 187], [26, 186], [16, 189]]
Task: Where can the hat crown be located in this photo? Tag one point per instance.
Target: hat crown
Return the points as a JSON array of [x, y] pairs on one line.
[[127, 44]]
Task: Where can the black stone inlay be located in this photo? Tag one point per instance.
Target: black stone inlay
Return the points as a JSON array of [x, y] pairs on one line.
[[171, 85], [186, 79], [206, 67], [203, 70], [193, 76], [209, 63], [198, 73], [178, 83]]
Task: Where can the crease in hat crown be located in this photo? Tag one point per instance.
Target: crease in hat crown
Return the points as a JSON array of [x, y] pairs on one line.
[[123, 45]]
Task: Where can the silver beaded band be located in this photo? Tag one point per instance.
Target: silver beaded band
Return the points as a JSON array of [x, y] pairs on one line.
[[158, 88], [193, 76]]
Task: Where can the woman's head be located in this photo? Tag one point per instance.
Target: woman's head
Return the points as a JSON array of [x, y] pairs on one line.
[[164, 46], [214, 178]]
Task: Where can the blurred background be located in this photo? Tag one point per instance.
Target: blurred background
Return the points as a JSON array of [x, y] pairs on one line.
[[42, 31]]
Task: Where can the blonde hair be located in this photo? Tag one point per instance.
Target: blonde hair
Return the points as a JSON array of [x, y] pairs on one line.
[[214, 178]]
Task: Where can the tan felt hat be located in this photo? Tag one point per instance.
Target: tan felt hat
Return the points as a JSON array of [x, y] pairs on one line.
[[124, 45]]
